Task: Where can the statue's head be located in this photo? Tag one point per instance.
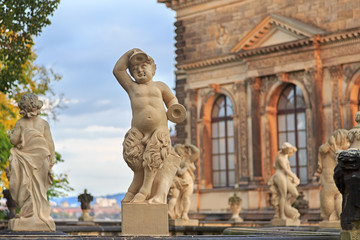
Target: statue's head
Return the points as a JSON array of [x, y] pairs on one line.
[[143, 72], [30, 105], [354, 133], [288, 149], [339, 140]]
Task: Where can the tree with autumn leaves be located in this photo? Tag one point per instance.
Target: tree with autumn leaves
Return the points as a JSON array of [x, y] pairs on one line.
[[20, 22]]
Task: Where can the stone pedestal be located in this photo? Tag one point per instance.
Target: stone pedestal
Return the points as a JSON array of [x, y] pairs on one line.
[[349, 234], [143, 219], [287, 222], [182, 222], [86, 216], [330, 224]]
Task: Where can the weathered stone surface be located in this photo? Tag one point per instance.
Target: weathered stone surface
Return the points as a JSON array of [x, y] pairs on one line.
[[142, 219]]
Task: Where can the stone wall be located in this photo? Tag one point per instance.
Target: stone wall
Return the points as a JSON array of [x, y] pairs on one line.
[[214, 31]]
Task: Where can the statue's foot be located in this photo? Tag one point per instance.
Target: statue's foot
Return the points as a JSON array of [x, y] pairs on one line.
[[128, 197], [154, 200], [333, 216], [139, 198], [185, 217]]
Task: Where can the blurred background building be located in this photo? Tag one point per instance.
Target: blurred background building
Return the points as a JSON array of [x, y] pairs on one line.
[[254, 74]]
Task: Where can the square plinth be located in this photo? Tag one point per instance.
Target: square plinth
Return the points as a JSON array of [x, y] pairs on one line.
[[182, 222], [330, 224], [285, 222], [143, 219]]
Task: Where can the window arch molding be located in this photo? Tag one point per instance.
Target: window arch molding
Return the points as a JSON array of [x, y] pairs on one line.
[[207, 100], [270, 101], [351, 97]]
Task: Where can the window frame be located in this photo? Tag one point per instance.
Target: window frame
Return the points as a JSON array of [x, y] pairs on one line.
[[295, 111], [217, 120]]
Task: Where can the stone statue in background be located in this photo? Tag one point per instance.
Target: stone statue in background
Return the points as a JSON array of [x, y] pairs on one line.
[[30, 163], [85, 200], [330, 197], [283, 188], [183, 183], [147, 145], [347, 179]]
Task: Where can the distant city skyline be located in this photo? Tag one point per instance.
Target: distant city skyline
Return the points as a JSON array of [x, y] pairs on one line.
[[82, 44]]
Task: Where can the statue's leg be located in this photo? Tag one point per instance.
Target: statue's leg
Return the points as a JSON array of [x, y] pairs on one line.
[[188, 190], [338, 205], [290, 211], [327, 200], [291, 188], [156, 152], [281, 183], [134, 186], [133, 150], [174, 195]]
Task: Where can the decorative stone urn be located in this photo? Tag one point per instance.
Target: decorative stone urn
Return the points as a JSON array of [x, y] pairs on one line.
[[235, 207]]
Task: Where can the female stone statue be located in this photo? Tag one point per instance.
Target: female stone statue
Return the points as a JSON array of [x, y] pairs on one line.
[[283, 186], [31, 160]]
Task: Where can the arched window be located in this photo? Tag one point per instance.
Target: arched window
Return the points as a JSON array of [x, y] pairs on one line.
[[291, 125], [222, 131]]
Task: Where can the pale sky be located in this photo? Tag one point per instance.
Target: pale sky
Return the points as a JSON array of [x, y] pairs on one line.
[[82, 44]]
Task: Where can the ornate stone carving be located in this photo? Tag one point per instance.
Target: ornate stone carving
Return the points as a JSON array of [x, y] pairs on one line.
[[221, 35], [348, 70], [335, 102], [31, 160], [147, 146], [244, 165], [193, 115]]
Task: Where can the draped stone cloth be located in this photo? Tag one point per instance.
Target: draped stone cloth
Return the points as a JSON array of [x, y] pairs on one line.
[[29, 182]]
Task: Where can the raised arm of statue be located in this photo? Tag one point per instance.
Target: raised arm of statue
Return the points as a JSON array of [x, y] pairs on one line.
[[15, 134], [120, 70], [195, 152]]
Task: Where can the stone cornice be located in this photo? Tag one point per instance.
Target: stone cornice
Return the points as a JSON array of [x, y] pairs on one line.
[[209, 62], [323, 39], [179, 4]]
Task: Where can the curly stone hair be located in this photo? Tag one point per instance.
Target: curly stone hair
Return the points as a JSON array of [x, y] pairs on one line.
[[30, 105]]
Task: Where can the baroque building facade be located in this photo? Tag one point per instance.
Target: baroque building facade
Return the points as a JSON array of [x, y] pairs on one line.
[[254, 74]]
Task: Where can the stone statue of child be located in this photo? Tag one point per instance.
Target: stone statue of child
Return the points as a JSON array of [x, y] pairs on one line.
[[183, 184], [30, 163], [283, 185], [330, 197], [147, 144]]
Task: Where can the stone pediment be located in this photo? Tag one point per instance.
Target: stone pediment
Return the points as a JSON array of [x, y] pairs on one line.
[[274, 30]]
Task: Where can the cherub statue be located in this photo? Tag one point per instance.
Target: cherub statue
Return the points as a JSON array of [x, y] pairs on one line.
[[183, 184], [147, 144], [330, 197], [283, 185], [31, 160]]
